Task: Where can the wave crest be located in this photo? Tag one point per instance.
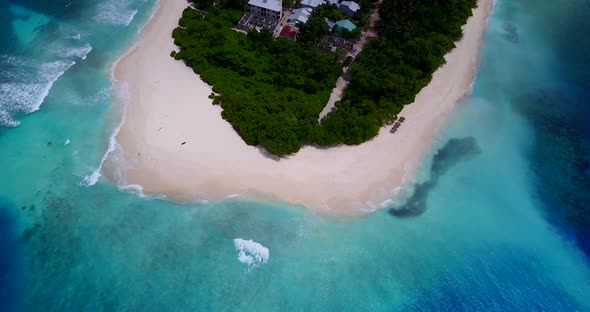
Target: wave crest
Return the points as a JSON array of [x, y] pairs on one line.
[[115, 12], [123, 97], [79, 52], [27, 96], [251, 253]]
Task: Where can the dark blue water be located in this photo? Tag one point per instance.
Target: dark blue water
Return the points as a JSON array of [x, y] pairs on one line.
[[559, 110], [11, 275]]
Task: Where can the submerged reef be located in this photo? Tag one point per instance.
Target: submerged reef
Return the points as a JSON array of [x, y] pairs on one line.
[[452, 153]]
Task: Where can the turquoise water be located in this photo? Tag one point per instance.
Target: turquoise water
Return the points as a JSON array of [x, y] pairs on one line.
[[497, 221]]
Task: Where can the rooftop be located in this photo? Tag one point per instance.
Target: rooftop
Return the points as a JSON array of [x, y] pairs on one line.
[[330, 23], [311, 3], [289, 31], [303, 11], [301, 15], [273, 5], [353, 6], [346, 24]]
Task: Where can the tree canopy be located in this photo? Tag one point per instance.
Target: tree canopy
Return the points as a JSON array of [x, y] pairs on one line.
[[414, 36], [272, 90]]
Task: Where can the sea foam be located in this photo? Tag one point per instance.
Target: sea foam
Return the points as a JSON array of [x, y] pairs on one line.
[[27, 96], [123, 97], [79, 52], [251, 253], [27, 81], [115, 12]]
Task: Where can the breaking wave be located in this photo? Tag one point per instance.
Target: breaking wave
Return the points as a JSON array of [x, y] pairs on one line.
[[251, 253], [122, 94], [27, 95], [26, 82], [115, 12], [79, 52]]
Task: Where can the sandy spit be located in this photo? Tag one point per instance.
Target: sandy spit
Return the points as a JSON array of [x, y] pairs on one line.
[[176, 144]]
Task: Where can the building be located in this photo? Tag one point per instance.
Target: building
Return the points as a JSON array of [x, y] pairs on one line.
[[349, 7], [272, 9], [330, 23], [311, 3], [289, 32], [346, 24], [300, 15]]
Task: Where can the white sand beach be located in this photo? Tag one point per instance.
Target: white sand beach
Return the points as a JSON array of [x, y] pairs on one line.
[[170, 105]]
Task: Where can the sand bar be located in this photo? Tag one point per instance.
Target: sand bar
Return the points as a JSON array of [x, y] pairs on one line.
[[169, 105]]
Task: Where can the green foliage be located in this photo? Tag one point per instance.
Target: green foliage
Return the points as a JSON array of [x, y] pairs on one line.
[[414, 36], [361, 17], [272, 90], [347, 61], [288, 3], [234, 4], [329, 11], [345, 33], [202, 4], [406, 19], [356, 33], [312, 31]]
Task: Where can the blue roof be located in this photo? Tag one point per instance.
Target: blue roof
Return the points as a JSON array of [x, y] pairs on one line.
[[346, 24]]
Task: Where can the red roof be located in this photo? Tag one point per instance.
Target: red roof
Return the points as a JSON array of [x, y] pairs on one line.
[[289, 31]]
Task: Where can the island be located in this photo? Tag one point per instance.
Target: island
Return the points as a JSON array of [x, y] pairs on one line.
[[166, 104], [272, 90]]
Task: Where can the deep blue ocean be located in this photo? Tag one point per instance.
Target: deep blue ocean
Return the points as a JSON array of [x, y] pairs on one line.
[[499, 219]]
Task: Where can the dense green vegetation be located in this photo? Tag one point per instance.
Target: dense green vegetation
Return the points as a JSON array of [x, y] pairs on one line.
[[329, 11], [273, 90], [414, 36], [206, 5], [361, 17], [312, 32], [316, 27]]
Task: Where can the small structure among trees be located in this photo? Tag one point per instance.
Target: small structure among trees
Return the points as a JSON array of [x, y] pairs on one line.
[[349, 7], [300, 15], [261, 15], [266, 8], [289, 32], [311, 3]]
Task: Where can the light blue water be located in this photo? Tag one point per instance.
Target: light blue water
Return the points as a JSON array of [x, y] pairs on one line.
[[499, 221]]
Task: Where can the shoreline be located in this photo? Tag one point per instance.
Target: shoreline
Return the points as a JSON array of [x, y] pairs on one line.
[[169, 105]]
